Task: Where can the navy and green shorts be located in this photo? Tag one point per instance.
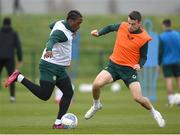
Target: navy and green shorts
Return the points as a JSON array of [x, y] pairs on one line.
[[127, 74], [51, 72], [172, 70]]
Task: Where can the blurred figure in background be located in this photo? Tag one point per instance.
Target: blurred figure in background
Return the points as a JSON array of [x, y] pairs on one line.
[[128, 57], [55, 59], [9, 46], [169, 57], [17, 7]]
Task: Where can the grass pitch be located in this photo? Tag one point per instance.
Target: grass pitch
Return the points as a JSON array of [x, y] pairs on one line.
[[120, 114]]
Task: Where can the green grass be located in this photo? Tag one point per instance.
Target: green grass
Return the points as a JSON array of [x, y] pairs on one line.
[[120, 114]]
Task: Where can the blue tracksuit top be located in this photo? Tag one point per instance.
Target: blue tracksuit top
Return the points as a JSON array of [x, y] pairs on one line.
[[170, 41]]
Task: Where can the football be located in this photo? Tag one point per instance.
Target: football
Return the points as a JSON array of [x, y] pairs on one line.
[[69, 120]]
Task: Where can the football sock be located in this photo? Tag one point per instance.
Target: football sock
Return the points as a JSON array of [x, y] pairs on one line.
[[152, 110], [12, 90], [96, 102], [65, 86], [43, 91], [170, 98], [57, 122], [20, 78], [64, 105]]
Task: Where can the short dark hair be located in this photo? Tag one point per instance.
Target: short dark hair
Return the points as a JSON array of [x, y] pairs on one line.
[[7, 21], [135, 15], [167, 22], [73, 14]]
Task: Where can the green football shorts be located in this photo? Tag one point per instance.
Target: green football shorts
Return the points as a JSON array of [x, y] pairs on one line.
[[51, 72], [127, 74], [172, 70]]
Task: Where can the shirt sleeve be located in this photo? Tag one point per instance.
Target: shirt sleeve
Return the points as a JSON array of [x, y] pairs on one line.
[[18, 47], [143, 54], [109, 28], [56, 36], [160, 53], [51, 25]]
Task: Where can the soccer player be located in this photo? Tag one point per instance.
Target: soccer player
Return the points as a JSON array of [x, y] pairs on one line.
[[55, 58], [169, 57], [128, 57]]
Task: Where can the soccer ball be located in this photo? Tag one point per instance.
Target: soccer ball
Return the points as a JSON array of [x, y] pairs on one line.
[[69, 120], [176, 99]]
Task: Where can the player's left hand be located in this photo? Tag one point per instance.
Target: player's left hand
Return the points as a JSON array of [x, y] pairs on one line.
[[137, 67]]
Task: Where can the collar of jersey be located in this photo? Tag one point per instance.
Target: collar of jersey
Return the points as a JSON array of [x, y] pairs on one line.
[[67, 25]]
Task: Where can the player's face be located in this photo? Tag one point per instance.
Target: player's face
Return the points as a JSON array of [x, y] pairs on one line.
[[133, 25], [75, 24]]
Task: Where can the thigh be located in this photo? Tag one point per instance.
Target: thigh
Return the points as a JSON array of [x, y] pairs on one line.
[[135, 89], [178, 82], [64, 84], [111, 69], [169, 83], [103, 78], [45, 75], [47, 87], [128, 75], [176, 70]]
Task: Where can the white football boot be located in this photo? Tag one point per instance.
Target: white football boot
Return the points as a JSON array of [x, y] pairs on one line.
[[159, 119], [90, 113]]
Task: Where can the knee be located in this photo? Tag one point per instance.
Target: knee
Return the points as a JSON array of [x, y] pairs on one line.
[[45, 97], [97, 85], [68, 94], [138, 99]]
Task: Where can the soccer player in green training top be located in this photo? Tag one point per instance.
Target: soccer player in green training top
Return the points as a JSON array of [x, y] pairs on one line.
[[55, 58], [129, 55]]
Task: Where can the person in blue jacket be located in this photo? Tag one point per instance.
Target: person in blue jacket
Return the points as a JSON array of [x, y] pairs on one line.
[[169, 57]]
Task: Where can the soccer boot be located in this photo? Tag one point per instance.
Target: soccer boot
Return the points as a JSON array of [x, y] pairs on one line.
[[12, 99], [59, 126], [90, 113], [11, 78], [159, 119]]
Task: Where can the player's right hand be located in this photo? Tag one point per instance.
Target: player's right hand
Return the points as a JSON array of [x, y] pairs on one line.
[[48, 54], [95, 33]]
